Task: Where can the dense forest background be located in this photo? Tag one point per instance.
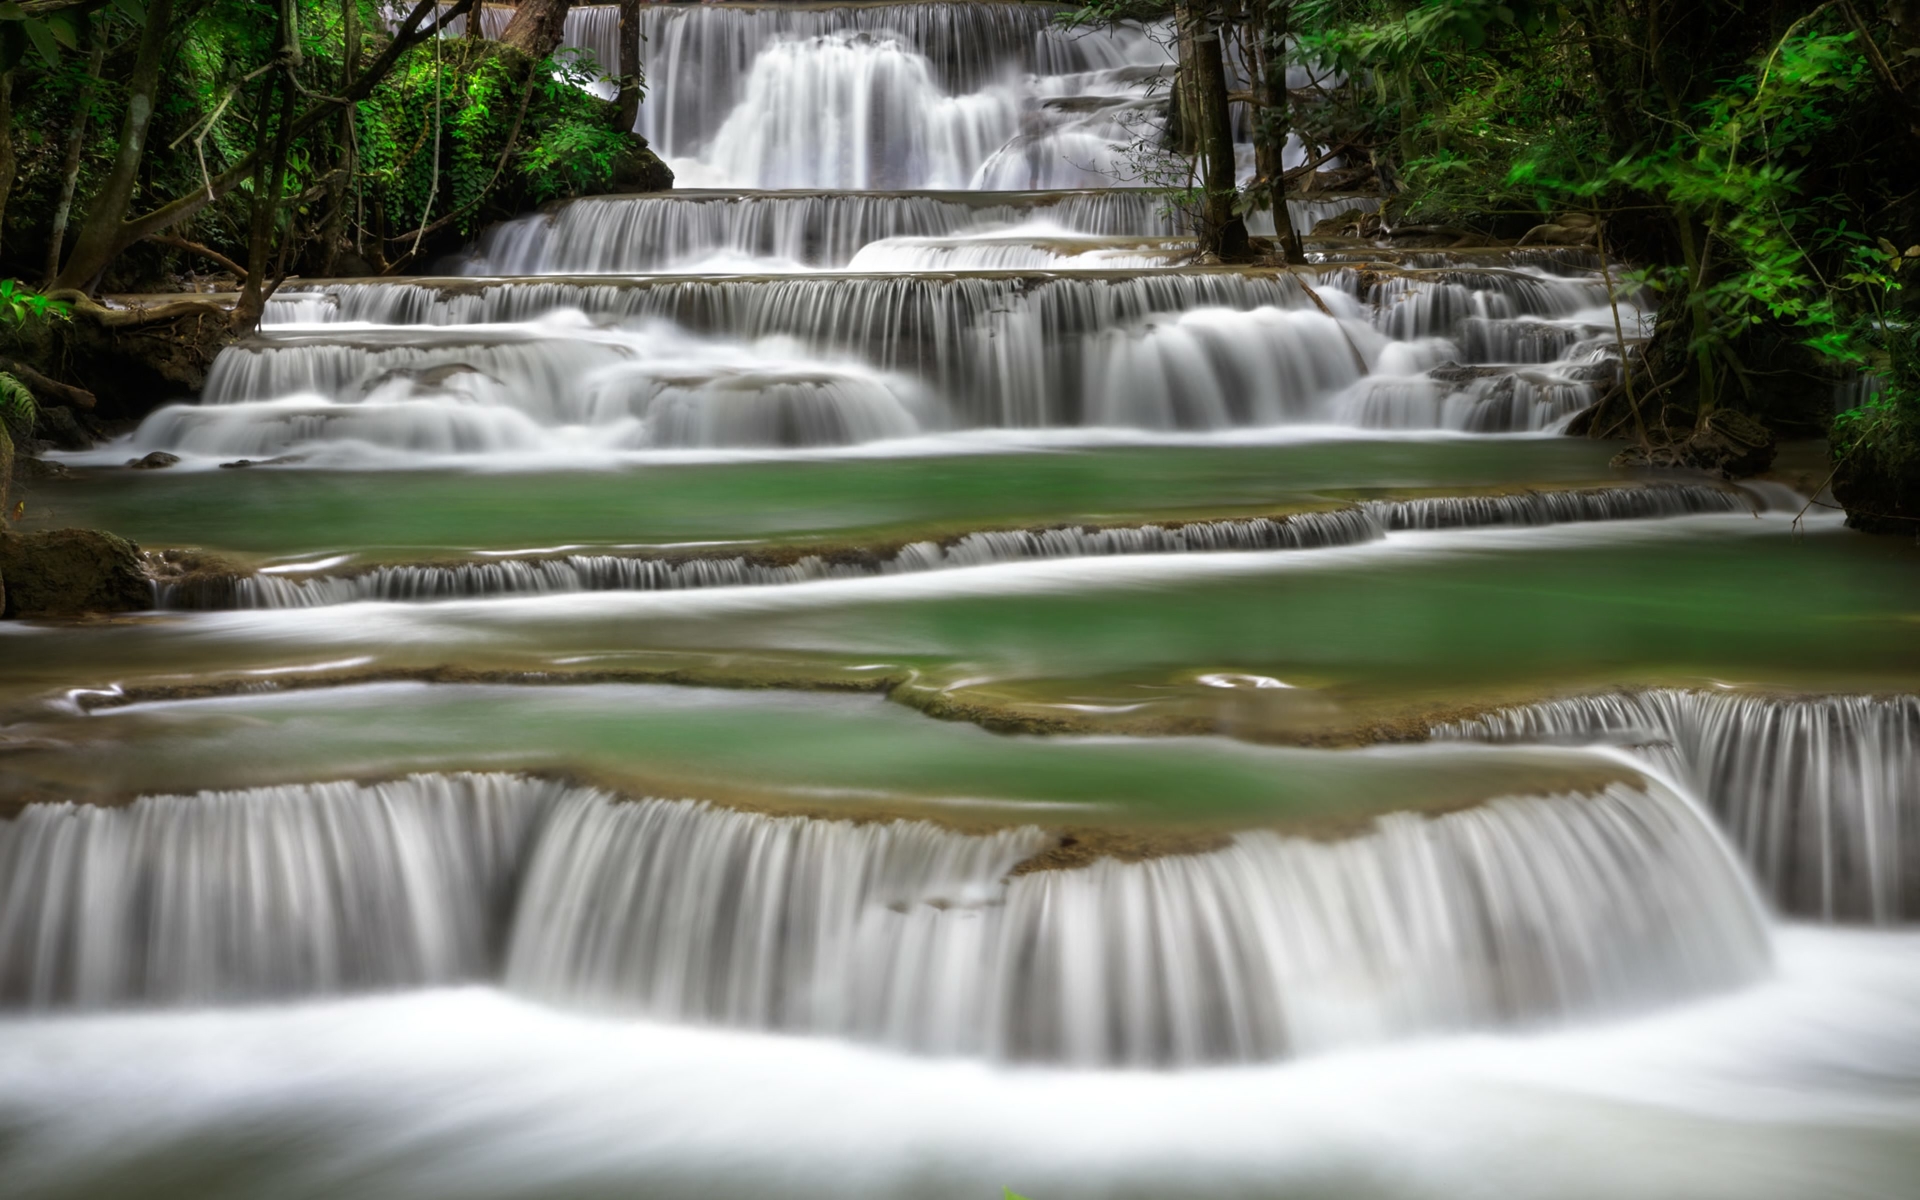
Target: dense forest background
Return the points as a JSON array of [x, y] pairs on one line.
[[1751, 164]]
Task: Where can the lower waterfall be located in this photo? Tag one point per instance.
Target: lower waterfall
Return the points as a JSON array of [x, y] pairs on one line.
[[611, 572], [271, 892], [1818, 793], [899, 932]]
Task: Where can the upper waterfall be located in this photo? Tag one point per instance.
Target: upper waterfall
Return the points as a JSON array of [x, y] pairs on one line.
[[886, 96]]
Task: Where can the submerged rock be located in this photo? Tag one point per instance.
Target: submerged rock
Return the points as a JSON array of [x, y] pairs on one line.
[[67, 572]]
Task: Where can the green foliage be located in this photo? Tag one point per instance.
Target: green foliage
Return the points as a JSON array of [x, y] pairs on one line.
[[18, 411], [1737, 172], [564, 145], [21, 306]]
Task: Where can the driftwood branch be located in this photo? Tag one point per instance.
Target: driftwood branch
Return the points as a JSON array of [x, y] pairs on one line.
[[136, 315], [72, 396]]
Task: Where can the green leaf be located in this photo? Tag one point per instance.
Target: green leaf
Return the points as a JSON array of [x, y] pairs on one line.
[[10, 11], [42, 39], [66, 27], [132, 10]]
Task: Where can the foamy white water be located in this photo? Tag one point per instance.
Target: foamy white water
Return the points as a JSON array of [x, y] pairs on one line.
[[1801, 1086]]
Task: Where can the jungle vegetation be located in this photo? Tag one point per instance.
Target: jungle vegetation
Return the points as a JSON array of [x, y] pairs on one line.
[[1755, 162]]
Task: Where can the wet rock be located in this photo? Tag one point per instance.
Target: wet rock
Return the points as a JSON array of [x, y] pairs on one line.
[[29, 470], [68, 572], [639, 169], [154, 461], [59, 427], [1457, 376], [1878, 483], [282, 461]]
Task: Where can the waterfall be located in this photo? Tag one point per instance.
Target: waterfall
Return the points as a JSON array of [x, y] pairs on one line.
[[1818, 793], [691, 230], [1518, 912], [567, 366], [898, 932], [273, 892], [606, 572], [679, 230], [923, 94]]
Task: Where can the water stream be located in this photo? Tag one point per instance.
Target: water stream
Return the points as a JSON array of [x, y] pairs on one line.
[[877, 673]]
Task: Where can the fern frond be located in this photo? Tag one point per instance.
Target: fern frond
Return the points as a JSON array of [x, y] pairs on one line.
[[17, 405]]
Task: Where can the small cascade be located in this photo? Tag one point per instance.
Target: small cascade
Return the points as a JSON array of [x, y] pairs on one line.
[[722, 232], [1518, 912], [605, 572], [681, 231], [1818, 793], [273, 892], [557, 385], [903, 933]]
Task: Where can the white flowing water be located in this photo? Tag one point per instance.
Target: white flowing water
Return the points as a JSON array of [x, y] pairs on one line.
[[1802, 1086], [611, 572], [759, 232], [277, 892], [399, 373], [1818, 793], [903, 933], [921, 96]]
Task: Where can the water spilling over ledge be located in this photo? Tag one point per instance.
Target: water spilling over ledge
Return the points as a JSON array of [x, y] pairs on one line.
[[1520, 911], [556, 367], [632, 572], [1822, 795], [730, 231]]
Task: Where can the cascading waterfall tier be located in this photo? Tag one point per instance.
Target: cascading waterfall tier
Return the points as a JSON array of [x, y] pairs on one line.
[[886, 96], [611, 572], [565, 366], [751, 231], [1821, 794], [271, 892], [757, 232], [899, 932]]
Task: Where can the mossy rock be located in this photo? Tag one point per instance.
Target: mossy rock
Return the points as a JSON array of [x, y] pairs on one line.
[[70, 572], [1880, 496]]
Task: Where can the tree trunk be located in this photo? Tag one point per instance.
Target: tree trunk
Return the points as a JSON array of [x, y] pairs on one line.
[[629, 65], [8, 161], [1272, 117], [76, 141], [1221, 232], [332, 236], [268, 185], [101, 235], [537, 27]]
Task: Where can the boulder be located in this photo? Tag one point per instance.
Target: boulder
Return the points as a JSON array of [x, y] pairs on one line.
[[68, 572]]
